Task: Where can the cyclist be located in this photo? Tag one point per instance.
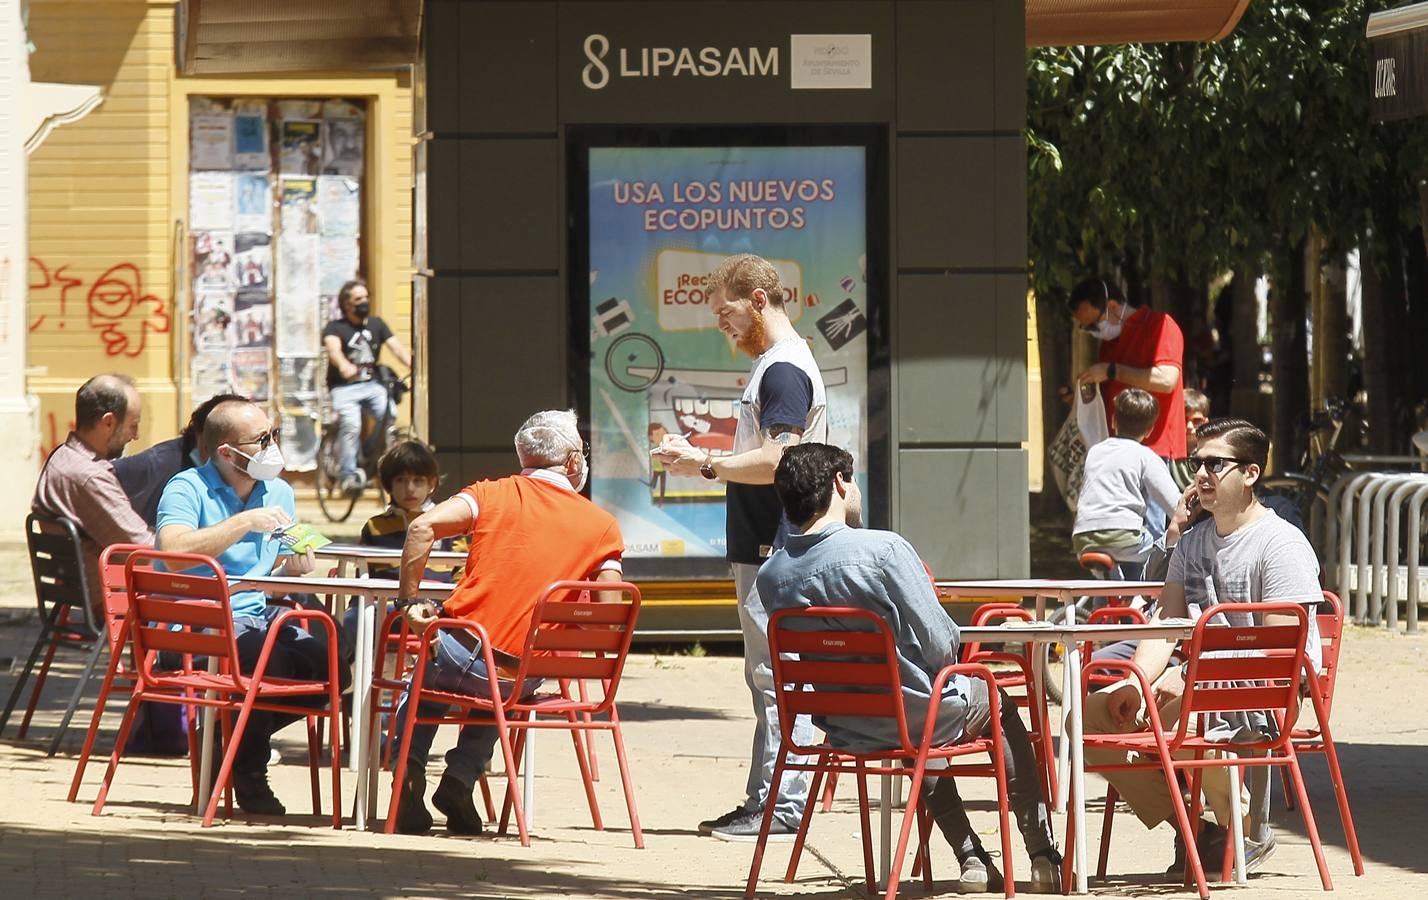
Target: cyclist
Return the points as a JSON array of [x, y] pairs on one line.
[[353, 344]]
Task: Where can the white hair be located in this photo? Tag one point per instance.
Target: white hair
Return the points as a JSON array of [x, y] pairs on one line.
[[547, 438]]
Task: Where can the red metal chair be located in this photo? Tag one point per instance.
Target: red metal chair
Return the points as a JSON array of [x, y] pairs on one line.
[[572, 638], [179, 603], [61, 577], [1265, 676], [1318, 738], [846, 664], [1018, 677]]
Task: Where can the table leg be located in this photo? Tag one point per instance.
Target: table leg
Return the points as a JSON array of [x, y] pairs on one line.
[[361, 707], [528, 777], [205, 755], [884, 827], [1072, 699], [1237, 829]]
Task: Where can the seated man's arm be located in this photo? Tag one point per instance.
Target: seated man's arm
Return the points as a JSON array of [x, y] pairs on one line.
[[911, 593], [453, 516], [609, 596], [1152, 656], [180, 518]]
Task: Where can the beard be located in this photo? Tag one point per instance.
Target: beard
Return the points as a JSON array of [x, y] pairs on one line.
[[115, 450], [755, 340]]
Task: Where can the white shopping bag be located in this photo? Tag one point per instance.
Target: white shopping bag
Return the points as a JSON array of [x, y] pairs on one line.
[[1091, 415]]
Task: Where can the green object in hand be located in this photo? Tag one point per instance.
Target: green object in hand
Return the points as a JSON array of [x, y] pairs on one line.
[[300, 538]]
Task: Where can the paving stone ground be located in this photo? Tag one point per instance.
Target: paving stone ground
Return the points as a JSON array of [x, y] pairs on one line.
[[687, 726]]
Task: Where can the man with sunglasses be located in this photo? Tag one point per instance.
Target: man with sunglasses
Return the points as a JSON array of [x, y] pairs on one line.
[[1241, 553], [1140, 348], [229, 508]]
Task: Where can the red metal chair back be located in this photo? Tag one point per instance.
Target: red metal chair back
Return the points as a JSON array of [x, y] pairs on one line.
[[1264, 675], [178, 602], [845, 665], [1331, 634], [116, 592], [575, 636], [992, 614]]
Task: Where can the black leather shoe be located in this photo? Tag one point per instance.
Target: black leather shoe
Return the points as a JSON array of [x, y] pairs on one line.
[[453, 800], [412, 814], [254, 796]]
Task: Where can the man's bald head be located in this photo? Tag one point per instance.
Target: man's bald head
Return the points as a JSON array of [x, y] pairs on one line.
[[106, 413], [233, 421]]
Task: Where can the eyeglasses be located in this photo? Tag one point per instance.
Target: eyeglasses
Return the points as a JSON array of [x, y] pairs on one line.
[[1215, 464], [262, 440]]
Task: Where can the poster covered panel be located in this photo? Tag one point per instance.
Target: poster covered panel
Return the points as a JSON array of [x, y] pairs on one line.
[[660, 219], [300, 149]]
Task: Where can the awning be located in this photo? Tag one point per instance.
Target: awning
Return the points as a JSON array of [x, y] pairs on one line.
[[1060, 23], [249, 36], [1398, 47]]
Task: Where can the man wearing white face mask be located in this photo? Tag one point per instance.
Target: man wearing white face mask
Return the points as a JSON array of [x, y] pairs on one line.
[[228, 509], [527, 531], [1140, 348]]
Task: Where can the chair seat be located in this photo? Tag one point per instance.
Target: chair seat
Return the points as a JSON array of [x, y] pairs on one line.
[[1144, 741], [1095, 559], [269, 686]]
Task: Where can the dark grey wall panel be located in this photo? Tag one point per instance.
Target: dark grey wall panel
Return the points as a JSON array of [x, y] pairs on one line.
[[444, 204], [448, 376], [1009, 186], [1013, 514], [462, 468], [947, 376], [441, 35], [947, 500], [955, 40], [946, 203], [1009, 38], [1011, 351], [510, 205], [508, 85], [513, 336]]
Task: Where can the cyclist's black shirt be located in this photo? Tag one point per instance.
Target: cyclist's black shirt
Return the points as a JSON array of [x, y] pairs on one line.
[[360, 343]]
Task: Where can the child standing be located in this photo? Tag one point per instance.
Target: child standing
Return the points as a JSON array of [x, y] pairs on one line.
[[1124, 481]]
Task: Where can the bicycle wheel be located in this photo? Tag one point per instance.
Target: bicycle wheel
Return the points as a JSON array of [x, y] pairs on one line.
[[336, 503], [1051, 681]]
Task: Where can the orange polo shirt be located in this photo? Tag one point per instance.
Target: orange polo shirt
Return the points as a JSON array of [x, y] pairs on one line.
[[530, 530]]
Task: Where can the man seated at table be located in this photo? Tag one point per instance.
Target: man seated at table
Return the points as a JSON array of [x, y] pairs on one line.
[[78, 480], [832, 561], [1243, 553], [526, 531], [228, 509]]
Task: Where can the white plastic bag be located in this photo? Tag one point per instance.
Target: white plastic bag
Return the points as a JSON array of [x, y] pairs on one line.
[[1091, 416]]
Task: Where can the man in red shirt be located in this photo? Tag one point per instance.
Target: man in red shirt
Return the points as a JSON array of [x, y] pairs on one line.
[[527, 531], [1140, 348]]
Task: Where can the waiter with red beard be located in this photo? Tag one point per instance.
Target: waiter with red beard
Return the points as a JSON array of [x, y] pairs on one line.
[[783, 403]]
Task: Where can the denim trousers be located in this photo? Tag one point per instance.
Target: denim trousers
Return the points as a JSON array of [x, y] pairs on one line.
[[350, 401]]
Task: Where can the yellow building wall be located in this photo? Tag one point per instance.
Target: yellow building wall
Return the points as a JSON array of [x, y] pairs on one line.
[[109, 198]]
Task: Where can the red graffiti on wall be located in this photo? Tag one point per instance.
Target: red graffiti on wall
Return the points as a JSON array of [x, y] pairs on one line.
[[54, 437], [116, 306]]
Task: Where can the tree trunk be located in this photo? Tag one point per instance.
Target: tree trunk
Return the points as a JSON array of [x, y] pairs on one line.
[[1381, 286], [1247, 355], [1331, 340], [1289, 369]]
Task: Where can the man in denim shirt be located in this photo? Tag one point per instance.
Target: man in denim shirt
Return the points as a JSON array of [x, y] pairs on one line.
[[831, 561]]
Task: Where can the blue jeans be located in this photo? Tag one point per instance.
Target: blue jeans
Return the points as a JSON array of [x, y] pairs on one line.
[[451, 667], [350, 401], [758, 675]]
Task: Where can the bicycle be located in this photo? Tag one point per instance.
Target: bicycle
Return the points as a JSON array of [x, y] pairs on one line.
[[1320, 466], [337, 501]]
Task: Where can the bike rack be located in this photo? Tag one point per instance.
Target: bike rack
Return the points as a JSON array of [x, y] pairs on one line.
[[1351, 484], [1415, 521], [1385, 580]]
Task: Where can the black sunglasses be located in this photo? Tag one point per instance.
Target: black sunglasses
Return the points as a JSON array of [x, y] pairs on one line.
[[262, 440], [1215, 464]]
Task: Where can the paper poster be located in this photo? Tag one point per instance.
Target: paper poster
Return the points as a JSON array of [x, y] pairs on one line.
[[297, 266], [213, 321], [301, 146], [253, 325], [201, 106], [213, 261], [337, 264], [210, 142], [209, 374], [299, 324], [298, 109], [342, 109], [253, 262], [254, 204], [339, 205], [250, 371], [300, 431], [297, 377], [329, 310], [660, 220], [342, 146], [250, 140], [210, 201], [299, 206]]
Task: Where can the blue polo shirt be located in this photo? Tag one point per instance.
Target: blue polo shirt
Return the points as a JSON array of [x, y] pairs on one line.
[[200, 498]]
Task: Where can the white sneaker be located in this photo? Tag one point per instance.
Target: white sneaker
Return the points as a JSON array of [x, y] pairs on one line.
[[1046, 872]]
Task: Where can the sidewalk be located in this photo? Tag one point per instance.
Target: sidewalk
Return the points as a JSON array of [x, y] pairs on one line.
[[687, 726]]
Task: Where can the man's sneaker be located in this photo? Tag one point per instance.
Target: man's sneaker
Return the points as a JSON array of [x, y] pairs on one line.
[[745, 829], [1256, 852], [453, 800], [412, 814], [254, 796], [980, 875], [1210, 843], [1046, 872], [354, 483], [708, 825]]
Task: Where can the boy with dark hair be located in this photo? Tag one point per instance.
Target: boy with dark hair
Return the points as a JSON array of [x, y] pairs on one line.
[[1123, 481], [409, 474]]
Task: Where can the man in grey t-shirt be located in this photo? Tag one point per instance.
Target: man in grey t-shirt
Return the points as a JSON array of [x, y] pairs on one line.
[[1243, 554]]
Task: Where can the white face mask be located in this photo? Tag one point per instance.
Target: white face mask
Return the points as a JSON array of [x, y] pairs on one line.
[[267, 465], [584, 474], [1105, 329]]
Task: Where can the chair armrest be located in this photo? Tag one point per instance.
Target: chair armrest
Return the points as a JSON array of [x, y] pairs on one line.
[[970, 670]]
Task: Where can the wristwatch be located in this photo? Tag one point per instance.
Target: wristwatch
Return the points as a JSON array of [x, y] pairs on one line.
[[1111, 371], [707, 470]]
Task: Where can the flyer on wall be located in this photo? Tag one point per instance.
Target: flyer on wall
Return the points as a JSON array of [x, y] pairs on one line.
[[301, 146], [210, 201], [250, 136], [211, 141], [254, 204], [660, 219]]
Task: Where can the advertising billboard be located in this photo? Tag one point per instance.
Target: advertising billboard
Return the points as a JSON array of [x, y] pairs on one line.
[[660, 219]]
